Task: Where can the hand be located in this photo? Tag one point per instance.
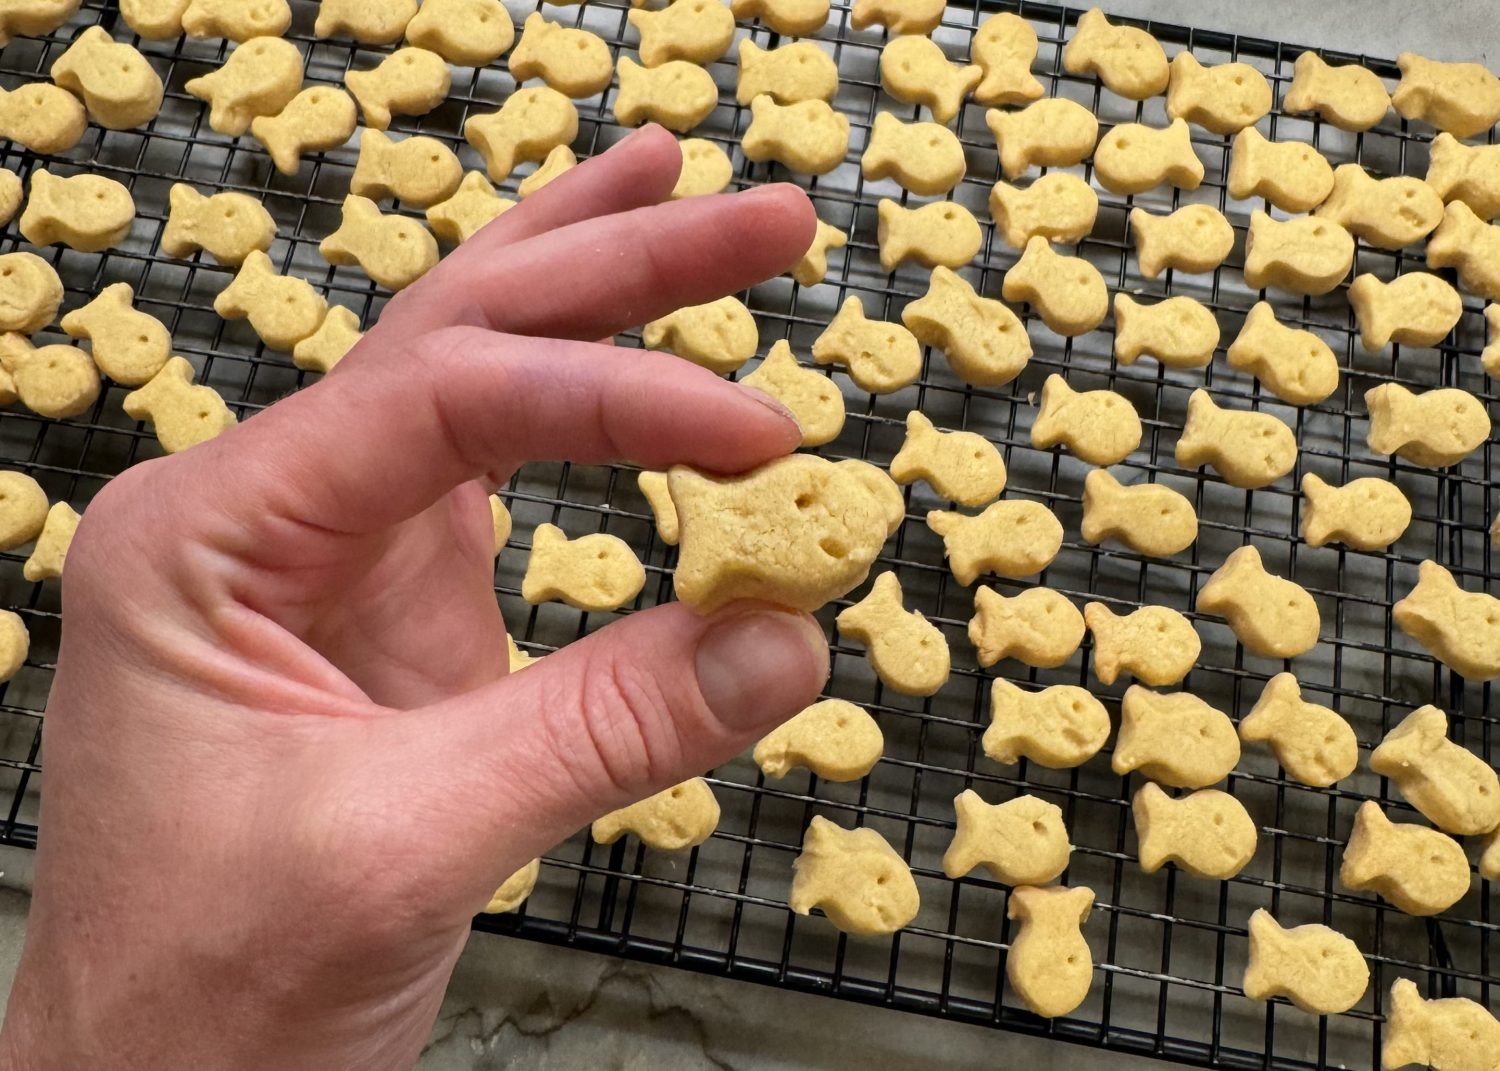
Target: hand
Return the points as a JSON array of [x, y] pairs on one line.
[[285, 764]]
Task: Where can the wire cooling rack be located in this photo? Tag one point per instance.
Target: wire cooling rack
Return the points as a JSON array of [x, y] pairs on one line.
[[1169, 947]]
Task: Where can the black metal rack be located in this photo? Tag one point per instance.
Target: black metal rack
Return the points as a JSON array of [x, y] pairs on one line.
[[1169, 947]]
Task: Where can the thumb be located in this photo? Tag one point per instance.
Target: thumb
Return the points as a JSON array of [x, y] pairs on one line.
[[644, 703]]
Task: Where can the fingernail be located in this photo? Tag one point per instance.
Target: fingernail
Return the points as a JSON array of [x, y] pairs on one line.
[[759, 667], [772, 404]]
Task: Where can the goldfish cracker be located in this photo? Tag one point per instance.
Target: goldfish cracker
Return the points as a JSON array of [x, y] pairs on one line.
[[1418, 869], [1053, 132], [1175, 739], [238, 20], [1317, 968], [881, 357], [1225, 98], [1179, 332], [1292, 175], [1306, 255], [51, 550], [1193, 239], [409, 81], [961, 466], [128, 346], [1155, 644], [678, 95], [1005, 47], [924, 158], [466, 33], [1313, 744], [395, 251], [119, 87], [1207, 833], [705, 169], [30, 293], [471, 206], [1295, 365], [282, 309], [418, 171], [1149, 518], [898, 16], [915, 70], [1390, 213], [1348, 95], [812, 268], [260, 77], [572, 61], [227, 226], [1462, 99], [1020, 842], [1467, 173], [812, 398], [673, 820], [1133, 158], [1452, 1033], [879, 486], [808, 137], [10, 195], [793, 18], [87, 212], [985, 342], [56, 381], [856, 877], [788, 75], [1012, 539], [1465, 242], [1459, 628], [1067, 292], [1128, 60], [908, 653], [317, 119], [1058, 727], [182, 414], [1247, 449], [721, 335], [1271, 616], [1097, 426], [835, 739], [370, 22], [1455, 789], [154, 20], [1057, 206], [41, 117], [596, 572], [326, 346], [1049, 965], [938, 234], [697, 31], [1366, 514], [23, 509], [1038, 627], [1434, 429], [1415, 309], [34, 18]]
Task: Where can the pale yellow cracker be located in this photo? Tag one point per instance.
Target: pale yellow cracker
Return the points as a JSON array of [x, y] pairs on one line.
[[1452, 1034], [466, 33], [961, 466], [794, 18], [559, 162], [1462, 99], [835, 739], [1306, 255], [1128, 60], [1176, 739], [1434, 429], [878, 485], [1058, 727], [56, 381], [1180, 332], [790, 74], [1418, 869], [940, 234], [1271, 616], [813, 398], [1148, 517], [985, 342], [409, 81], [572, 61], [678, 95], [1011, 539], [1454, 788], [856, 877], [1022, 841], [42, 117], [808, 137], [898, 16], [1194, 239], [182, 414], [395, 251], [1247, 449], [1489, 357], [1057, 206], [317, 119], [1295, 365], [1224, 98], [798, 532], [1489, 857], [1315, 967], [1347, 95], [260, 77], [326, 346], [238, 20], [282, 309], [1155, 644], [1366, 514], [1067, 292], [1414, 309], [1390, 213], [881, 357], [86, 212], [471, 206], [370, 22], [129, 346], [1459, 628], [417, 171], [517, 658], [705, 169], [30, 293], [908, 653], [23, 509], [812, 268], [1005, 47], [227, 226], [51, 550], [924, 158], [720, 336], [118, 85], [1049, 965], [15, 644], [10, 195], [154, 20], [915, 70], [1465, 242], [1097, 426], [514, 890], [697, 31], [597, 572], [1292, 175], [1053, 132], [33, 18], [673, 820], [653, 487], [1207, 833], [1133, 157], [1038, 627], [501, 523], [1467, 173]]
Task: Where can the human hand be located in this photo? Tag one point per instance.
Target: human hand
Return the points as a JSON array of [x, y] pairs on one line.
[[285, 763]]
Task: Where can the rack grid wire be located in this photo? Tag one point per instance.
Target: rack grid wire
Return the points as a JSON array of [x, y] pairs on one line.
[[1169, 948]]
